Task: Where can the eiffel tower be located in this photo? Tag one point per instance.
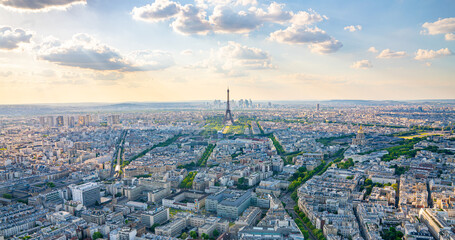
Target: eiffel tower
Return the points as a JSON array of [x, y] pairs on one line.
[[228, 120]]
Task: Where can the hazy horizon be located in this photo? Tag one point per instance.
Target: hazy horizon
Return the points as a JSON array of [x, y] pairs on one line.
[[255, 100]]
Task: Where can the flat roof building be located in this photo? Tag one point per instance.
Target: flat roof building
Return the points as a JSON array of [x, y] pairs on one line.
[[229, 203], [88, 194], [158, 216]]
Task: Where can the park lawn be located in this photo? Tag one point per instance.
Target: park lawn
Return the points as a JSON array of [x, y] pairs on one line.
[[424, 134], [226, 129], [173, 211]]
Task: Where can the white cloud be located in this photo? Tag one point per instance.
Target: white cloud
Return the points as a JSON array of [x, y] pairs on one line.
[[387, 53], [11, 38], [234, 58], [207, 3], [83, 51], [362, 64], [47, 73], [329, 46], [149, 60], [274, 13], [225, 19], [157, 11], [40, 5], [319, 41], [6, 74], [353, 28], [372, 49], [187, 52], [246, 2], [225, 16], [111, 76], [70, 75], [247, 57], [449, 37], [442, 26], [423, 54], [191, 20], [301, 31], [303, 18], [300, 35]]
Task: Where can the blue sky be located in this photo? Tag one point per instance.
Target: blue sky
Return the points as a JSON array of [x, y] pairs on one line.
[[146, 50]]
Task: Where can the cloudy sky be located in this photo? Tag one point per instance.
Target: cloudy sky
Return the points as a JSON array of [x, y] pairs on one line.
[[162, 50]]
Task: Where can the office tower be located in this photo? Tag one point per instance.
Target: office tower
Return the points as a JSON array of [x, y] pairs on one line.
[[69, 122], [317, 107], [50, 121], [81, 121], [88, 194], [113, 119], [42, 121], [84, 120], [60, 121]]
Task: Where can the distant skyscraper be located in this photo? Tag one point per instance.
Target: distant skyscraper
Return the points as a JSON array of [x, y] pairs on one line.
[[69, 122], [113, 119], [42, 121], [50, 121], [88, 194], [317, 107], [84, 120], [60, 121], [228, 119]]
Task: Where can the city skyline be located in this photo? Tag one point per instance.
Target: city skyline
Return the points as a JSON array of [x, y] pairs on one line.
[[156, 51]]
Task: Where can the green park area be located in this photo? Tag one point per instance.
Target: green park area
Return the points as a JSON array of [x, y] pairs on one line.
[[188, 180]]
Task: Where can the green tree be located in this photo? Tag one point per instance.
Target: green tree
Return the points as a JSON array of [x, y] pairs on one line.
[[97, 235], [395, 186], [241, 181], [193, 234], [154, 226], [216, 233], [305, 233], [346, 164], [205, 236], [391, 234], [184, 235], [7, 196]]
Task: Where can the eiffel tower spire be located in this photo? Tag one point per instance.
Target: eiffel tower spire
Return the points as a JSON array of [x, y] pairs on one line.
[[228, 119]]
